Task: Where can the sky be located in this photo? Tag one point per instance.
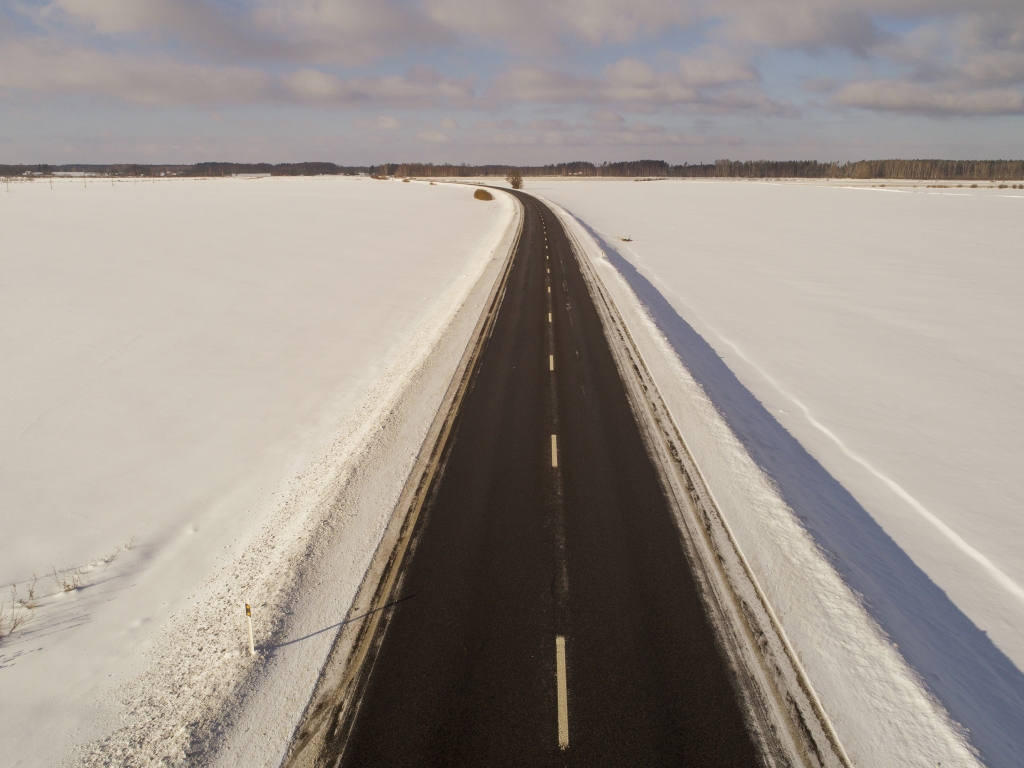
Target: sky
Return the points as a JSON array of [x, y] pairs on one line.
[[506, 81]]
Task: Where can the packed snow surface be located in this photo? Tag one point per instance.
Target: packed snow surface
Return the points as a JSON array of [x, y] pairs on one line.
[[865, 345], [175, 354]]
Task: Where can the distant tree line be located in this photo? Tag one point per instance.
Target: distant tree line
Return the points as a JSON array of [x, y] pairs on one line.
[[971, 170], [580, 168], [197, 169], [966, 170], [281, 169]]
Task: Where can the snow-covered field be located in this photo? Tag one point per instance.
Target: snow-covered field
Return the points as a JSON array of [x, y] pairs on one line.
[[865, 348], [214, 390], [193, 372]]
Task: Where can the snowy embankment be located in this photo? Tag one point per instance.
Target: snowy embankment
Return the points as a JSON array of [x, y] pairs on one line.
[[212, 390], [847, 365]]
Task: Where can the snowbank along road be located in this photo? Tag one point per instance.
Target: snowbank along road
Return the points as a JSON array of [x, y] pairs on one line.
[[545, 612], [856, 405], [238, 373]]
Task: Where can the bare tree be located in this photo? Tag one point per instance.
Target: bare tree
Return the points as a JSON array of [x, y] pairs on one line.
[[515, 178]]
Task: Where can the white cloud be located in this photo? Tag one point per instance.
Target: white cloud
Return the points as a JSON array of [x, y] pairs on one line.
[[820, 84], [314, 85], [536, 84], [646, 128], [489, 125], [122, 16], [715, 67], [418, 87], [806, 24], [542, 24], [355, 32], [930, 99], [348, 32], [381, 123], [432, 137], [216, 32], [549, 124], [620, 138], [511, 139], [644, 139], [716, 84], [40, 66], [971, 64], [937, 57], [994, 67], [632, 81]]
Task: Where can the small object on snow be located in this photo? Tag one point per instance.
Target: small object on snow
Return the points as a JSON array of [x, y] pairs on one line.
[[248, 621]]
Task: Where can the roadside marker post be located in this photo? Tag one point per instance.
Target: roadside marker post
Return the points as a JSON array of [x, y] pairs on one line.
[[248, 621]]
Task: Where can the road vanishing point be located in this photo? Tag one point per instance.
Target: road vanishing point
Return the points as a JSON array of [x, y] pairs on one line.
[[555, 620]]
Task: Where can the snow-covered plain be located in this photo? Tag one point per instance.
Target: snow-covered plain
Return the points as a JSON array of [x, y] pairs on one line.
[[194, 368], [865, 346]]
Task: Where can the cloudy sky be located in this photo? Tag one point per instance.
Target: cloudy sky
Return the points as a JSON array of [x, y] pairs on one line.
[[364, 81]]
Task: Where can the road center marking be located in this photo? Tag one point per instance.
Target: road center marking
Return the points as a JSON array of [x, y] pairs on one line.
[[549, 289], [554, 450], [551, 360], [563, 693], [549, 317]]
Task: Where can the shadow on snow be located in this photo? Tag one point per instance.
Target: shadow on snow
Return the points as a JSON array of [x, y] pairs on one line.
[[980, 687]]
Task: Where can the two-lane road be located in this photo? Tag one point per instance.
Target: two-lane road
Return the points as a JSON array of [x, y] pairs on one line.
[[555, 619]]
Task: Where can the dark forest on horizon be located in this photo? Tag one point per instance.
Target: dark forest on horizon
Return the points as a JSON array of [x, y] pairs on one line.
[[951, 170]]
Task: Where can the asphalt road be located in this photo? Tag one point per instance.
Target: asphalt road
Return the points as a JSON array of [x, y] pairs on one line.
[[513, 553]]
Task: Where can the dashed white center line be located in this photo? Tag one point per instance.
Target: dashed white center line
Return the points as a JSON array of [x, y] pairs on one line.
[[563, 693], [554, 450], [551, 360], [549, 289], [549, 317]]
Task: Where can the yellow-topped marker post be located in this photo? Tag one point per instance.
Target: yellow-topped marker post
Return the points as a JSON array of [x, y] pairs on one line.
[[248, 621]]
